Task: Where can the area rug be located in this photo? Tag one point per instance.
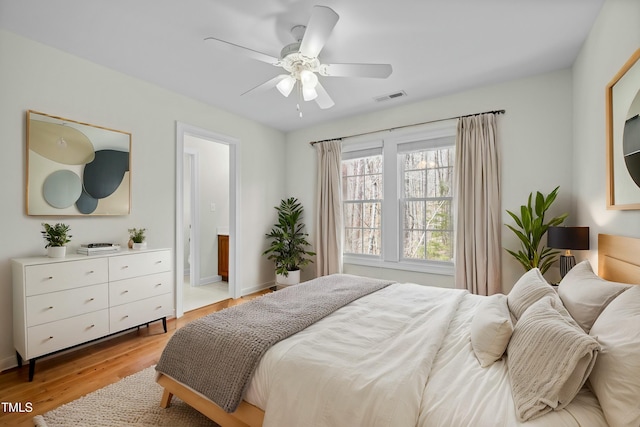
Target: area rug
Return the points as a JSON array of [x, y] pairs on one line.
[[132, 401]]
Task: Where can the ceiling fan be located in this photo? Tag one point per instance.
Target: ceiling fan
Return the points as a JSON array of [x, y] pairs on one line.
[[300, 60]]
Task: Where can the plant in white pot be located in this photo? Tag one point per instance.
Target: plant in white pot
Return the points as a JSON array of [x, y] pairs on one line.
[[289, 243], [57, 237], [137, 238]]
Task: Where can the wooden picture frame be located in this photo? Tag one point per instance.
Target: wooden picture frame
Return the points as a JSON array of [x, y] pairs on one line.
[[75, 168], [622, 102]]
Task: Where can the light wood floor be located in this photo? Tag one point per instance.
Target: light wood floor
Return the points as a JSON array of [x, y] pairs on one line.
[[68, 376]]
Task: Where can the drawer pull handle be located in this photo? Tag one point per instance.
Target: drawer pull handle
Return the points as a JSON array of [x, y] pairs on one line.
[[125, 292], [125, 266], [158, 307], [91, 299], [91, 272], [50, 278], [50, 307], [125, 316], [159, 284], [50, 338], [92, 326], [158, 262]]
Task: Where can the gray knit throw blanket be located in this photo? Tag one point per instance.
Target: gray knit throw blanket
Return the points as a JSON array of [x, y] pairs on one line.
[[217, 355]]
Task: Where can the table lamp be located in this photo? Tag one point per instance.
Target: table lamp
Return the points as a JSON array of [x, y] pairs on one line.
[[568, 238]]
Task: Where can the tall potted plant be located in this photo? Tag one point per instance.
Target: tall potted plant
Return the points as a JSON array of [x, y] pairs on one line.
[[57, 237], [288, 243], [531, 227]]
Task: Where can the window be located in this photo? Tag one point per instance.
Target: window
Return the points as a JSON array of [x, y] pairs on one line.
[[426, 204], [362, 203], [398, 200]]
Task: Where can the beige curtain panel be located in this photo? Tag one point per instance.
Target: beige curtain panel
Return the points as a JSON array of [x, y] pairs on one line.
[[329, 216], [477, 192]]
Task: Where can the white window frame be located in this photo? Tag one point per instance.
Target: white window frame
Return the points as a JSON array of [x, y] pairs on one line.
[[391, 210]]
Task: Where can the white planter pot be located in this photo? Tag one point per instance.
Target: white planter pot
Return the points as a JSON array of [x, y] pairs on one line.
[[56, 251], [139, 246], [292, 279]]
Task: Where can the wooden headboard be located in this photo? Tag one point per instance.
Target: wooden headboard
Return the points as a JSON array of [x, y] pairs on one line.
[[619, 258]]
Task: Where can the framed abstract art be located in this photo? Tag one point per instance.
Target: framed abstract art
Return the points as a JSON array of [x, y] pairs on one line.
[[76, 168], [623, 136]]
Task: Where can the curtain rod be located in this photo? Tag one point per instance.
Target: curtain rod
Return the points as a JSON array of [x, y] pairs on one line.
[[312, 143]]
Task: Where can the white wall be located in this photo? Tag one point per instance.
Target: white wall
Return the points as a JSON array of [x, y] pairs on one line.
[[614, 37], [35, 76], [535, 135]]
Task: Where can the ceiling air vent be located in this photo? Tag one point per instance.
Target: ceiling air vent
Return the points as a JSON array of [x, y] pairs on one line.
[[394, 95]]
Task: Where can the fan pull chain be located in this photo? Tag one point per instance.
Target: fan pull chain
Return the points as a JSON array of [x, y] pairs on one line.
[[299, 90]]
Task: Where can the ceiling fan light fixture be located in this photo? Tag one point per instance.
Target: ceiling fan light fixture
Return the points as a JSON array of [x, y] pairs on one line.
[[309, 93], [285, 86], [308, 79]]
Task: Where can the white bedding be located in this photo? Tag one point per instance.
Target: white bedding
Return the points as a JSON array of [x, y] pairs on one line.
[[462, 393], [399, 357]]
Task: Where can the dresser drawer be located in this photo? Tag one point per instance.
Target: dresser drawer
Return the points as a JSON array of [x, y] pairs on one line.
[[140, 312], [133, 265], [60, 305], [50, 337], [58, 276], [129, 290]]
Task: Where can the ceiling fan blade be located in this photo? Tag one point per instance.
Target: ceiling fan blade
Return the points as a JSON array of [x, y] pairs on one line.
[[378, 71], [269, 84], [320, 25], [254, 54], [323, 100]]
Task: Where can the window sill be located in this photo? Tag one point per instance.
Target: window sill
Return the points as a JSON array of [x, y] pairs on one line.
[[431, 267]]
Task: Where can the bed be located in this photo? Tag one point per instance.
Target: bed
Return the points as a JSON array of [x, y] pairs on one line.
[[410, 355]]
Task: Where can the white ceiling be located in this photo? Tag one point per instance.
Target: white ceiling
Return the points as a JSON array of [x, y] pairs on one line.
[[435, 46]]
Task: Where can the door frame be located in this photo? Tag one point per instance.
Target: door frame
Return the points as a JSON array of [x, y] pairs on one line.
[[183, 129]]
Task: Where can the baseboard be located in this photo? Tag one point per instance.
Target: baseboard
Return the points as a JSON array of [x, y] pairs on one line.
[[209, 280], [258, 288], [8, 363]]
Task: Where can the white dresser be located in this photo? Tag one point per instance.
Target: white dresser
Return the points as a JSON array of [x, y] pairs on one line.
[[60, 303]]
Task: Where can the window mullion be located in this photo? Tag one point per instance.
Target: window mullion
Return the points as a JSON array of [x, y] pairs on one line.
[[390, 209]]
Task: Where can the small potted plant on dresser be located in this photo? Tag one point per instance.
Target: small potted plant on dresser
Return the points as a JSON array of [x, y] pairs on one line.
[[137, 238], [57, 237], [288, 243]]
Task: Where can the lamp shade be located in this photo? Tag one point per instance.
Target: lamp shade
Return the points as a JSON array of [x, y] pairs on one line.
[[568, 238]]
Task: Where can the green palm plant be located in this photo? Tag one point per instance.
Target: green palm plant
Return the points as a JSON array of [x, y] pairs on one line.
[[288, 240], [531, 228]]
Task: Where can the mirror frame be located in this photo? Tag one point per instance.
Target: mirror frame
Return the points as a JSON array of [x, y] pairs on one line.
[[614, 140], [75, 168]]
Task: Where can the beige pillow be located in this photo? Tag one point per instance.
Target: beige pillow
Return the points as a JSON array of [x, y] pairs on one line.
[[585, 295], [615, 379], [491, 329], [530, 288], [550, 358]]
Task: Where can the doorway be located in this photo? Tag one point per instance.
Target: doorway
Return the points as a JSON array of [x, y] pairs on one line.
[[206, 210]]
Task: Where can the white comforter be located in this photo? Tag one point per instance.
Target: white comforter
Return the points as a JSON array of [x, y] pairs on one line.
[[398, 357]]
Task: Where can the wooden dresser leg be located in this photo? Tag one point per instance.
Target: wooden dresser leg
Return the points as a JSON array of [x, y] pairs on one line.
[[164, 324], [32, 368], [166, 399]]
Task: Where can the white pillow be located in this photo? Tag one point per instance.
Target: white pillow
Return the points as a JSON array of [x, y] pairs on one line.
[[491, 329], [531, 287], [615, 379], [585, 295], [549, 359]]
